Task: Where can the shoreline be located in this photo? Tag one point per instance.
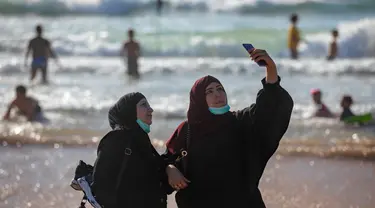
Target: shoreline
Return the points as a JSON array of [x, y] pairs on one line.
[[339, 152]]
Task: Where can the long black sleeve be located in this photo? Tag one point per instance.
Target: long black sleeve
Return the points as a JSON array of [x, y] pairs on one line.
[[107, 168], [163, 161], [267, 120]]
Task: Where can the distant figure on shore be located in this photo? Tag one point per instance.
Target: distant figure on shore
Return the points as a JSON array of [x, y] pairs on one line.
[[41, 50], [27, 106], [293, 37], [159, 6], [321, 109], [333, 48], [132, 51]]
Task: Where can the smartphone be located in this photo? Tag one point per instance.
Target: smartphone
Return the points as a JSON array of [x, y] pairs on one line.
[[248, 47]]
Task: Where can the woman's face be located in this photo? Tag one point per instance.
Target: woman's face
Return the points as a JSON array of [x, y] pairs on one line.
[[144, 111], [215, 95]]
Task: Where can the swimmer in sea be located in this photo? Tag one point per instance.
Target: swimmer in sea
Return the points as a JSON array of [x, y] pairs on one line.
[[333, 48], [132, 51], [348, 117], [27, 106], [346, 103], [321, 108], [41, 50], [293, 37]]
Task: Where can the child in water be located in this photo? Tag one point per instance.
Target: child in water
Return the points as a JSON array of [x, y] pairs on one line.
[[349, 117], [27, 106], [321, 108], [346, 103]]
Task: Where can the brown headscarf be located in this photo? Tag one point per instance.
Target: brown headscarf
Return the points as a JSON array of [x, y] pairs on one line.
[[200, 119]]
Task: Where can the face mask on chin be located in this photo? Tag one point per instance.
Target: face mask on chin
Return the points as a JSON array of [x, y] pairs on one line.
[[219, 111], [144, 126]]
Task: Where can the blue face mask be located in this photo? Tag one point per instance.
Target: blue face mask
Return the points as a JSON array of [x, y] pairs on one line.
[[219, 111], [144, 126]]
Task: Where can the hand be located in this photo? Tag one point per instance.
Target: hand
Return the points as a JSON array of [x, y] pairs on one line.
[[175, 178], [260, 54], [271, 72]]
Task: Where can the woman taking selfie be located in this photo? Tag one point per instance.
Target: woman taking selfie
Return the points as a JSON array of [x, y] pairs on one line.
[[221, 155]]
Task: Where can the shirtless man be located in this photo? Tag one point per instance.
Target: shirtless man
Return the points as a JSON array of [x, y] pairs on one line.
[[333, 48], [131, 50], [27, 106], [41, 50]]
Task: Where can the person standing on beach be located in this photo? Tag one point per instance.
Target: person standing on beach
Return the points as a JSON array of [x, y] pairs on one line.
[[131, 49], [293, 37], [333, 48], [224, 153], [41, 50]]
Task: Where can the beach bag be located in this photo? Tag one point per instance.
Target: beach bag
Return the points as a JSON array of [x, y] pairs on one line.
[[179, 157]]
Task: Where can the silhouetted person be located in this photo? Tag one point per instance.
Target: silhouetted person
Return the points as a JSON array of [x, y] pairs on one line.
[[41, 50], [132, 51], [333, 48], [27, 106]]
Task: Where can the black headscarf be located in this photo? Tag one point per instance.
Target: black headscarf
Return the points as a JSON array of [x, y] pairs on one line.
[[124, 112]]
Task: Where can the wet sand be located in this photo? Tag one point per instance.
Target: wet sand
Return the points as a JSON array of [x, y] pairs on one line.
[[39, 176]]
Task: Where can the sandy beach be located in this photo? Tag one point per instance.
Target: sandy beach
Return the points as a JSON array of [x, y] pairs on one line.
[[38, 176]]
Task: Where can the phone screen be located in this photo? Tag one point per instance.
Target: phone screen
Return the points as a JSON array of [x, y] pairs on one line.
[[248, 47]]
